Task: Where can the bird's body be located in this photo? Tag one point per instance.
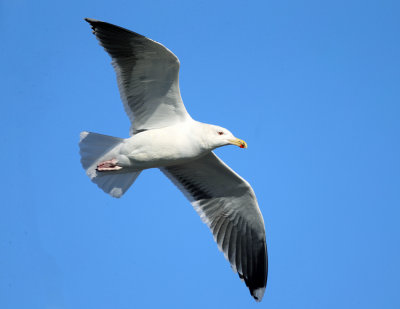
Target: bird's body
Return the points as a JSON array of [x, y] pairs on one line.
[[164, 136], [155, 148]]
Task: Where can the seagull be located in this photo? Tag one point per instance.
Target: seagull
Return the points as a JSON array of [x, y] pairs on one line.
[[164, 136]]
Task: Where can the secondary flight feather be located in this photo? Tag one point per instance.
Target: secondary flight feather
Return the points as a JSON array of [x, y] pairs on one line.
[[164, 136]]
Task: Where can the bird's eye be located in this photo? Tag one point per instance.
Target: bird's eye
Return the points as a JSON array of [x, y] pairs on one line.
[[220, 132]]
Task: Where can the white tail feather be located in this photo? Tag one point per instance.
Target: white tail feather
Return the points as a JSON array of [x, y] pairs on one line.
[[95, 148]]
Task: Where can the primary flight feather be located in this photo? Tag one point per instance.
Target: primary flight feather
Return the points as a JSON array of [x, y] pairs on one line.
[[164, 136]]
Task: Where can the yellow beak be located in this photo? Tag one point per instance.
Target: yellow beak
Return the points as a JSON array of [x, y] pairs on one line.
[[238, 142]]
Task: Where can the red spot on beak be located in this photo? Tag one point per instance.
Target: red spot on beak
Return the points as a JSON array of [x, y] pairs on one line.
[[241, 146]]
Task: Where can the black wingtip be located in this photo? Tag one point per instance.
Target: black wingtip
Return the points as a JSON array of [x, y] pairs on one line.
[[90, 20], [102, 25], [257, 281], [93, 23]]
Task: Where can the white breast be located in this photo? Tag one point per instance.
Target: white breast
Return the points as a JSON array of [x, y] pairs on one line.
[[163, 147]]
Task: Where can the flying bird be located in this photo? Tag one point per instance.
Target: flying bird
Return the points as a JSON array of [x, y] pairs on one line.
[[164, 136]]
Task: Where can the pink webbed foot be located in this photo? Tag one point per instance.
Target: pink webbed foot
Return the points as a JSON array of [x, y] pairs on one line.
[[109, 165]]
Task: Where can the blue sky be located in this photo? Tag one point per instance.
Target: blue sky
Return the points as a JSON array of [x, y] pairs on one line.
[[313, 88]]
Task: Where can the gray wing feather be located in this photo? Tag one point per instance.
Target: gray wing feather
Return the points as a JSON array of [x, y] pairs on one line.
[[227, 204], [147, 76]]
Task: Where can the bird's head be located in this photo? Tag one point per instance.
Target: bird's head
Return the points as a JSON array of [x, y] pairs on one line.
[[218, 136]]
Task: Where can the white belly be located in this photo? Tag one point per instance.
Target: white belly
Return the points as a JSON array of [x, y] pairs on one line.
[[160, 147]]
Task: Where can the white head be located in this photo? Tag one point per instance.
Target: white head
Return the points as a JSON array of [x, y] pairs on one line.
[[217, 136]]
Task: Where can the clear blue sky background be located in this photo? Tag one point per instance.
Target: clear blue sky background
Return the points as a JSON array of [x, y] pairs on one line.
[[312, 86]]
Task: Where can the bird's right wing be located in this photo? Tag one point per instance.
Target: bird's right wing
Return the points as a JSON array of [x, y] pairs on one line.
[[147, 75], [227, 204]]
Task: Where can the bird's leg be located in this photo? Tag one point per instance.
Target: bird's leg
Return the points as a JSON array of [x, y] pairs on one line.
[[109, 165]]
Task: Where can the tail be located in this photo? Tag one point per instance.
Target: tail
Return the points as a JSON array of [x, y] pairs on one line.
[[95, 148]]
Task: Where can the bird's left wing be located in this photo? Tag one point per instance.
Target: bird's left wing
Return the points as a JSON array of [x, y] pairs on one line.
[[227, 204], [147, 75]]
